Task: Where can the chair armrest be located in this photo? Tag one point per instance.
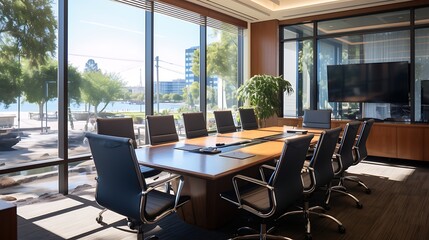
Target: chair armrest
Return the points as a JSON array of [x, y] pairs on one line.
[[256, 182], [340, 162], [310, 170], [171, 178], [261, 170]]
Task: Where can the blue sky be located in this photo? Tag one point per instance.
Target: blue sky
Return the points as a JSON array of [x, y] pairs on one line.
[[113, 35]]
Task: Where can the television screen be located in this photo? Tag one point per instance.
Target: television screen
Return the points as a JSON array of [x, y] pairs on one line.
[[369, 82], [425, 92]]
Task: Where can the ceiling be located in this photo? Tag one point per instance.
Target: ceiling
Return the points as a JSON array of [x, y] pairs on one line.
[[262, 10]]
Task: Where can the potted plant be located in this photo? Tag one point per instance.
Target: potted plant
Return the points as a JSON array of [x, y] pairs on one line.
[[264, 93]]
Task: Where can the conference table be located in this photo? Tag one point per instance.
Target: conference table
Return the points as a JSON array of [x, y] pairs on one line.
[[209, 173]]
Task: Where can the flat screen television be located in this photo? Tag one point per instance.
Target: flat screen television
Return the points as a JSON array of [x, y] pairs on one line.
[[369, 82], [425, 92]]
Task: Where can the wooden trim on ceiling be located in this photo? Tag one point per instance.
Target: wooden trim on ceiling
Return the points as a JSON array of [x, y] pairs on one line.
[[206, 12], [362, 11]]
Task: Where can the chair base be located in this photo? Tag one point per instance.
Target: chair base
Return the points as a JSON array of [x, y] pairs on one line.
[[307, 211], [263, 234], [358, 181], [340, 188]]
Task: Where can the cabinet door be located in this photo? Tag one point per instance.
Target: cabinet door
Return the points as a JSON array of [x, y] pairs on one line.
[[382, 141], [410, 141], [426, 145]]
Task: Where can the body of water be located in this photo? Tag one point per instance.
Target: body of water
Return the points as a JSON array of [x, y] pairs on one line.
[[111, 107]]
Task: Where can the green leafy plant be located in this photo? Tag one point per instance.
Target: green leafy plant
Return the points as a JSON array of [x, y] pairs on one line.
[[263, 93]]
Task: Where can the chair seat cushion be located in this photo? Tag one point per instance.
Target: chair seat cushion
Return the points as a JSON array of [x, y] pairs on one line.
[[148, 172], [255, 197], [159, 202]]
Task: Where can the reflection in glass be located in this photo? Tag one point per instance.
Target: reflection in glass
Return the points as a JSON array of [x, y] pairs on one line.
[[222, 71], [298, 70], [421, 15], [367, 48], [298, 31], [422, 75], [367, 22]]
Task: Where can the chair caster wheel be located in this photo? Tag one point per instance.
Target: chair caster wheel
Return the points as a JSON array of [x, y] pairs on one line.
[[368, 191], [308, 237], [359, 205], [341, 229], [99, 219], [131, 225]]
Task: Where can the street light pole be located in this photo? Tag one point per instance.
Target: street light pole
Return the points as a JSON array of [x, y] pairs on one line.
[[46, 105], [157, 81]]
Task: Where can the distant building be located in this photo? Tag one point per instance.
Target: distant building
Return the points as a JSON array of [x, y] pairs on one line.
[[174, 86], [189, 75], [135, 89]]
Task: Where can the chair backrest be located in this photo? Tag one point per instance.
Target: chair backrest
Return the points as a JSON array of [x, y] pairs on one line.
[[195, 125], [361, 151], [224, 121], [317, 119], [161, 129], [346, 145], [321, 161], [286, 179], [248, 118], [119, 182], [119, 127]]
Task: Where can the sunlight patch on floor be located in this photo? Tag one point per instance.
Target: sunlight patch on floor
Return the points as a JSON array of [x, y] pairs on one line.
[[383, 170]]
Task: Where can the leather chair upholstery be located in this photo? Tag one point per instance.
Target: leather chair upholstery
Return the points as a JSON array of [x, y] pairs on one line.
[[224, 121], [317, 119], [270, 196], [343, 159], [123, 127], [248, 119], [161, 129], [122, 189], [195, 125], [319, 174]]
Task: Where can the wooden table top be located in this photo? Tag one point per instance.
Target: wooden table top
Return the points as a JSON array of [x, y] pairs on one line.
[[212, 166], [207, 166]]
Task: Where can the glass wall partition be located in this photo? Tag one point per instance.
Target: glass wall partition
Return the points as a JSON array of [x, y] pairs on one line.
[[366, 40], [297, 67], [422, 74], [360, 49]]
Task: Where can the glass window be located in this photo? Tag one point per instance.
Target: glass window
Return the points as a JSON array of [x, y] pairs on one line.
[[367, 48], [298, 70], [28, 83], [421, 16], [422, 75], [176, 87], [222, 69], [367, 22], [298, 31], [29, 184], [106, 67]]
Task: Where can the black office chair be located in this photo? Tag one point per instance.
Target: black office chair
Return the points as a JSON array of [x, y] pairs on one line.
[[121, 188], [360, 151], [342, 160], [317, 119], [224, 121], [195, 125], [248, 118], [161, 129], [123, 127], [267, 198], [319, 174]]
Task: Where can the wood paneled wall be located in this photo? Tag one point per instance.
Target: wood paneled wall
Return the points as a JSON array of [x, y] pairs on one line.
[[264, 49]]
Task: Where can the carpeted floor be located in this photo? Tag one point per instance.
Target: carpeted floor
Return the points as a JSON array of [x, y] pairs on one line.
[[397, 208]]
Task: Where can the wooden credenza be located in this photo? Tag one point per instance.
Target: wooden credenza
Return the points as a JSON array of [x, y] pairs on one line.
[[387, 139]]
